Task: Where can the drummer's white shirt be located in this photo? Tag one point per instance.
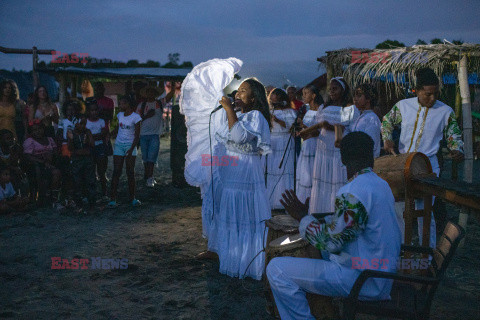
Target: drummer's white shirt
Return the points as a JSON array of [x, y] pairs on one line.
[[290, 278]]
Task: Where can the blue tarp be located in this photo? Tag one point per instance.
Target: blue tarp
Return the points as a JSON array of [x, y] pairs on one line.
[[128, 72]]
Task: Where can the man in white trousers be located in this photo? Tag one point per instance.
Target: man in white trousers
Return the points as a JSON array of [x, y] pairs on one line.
[[362, 234]]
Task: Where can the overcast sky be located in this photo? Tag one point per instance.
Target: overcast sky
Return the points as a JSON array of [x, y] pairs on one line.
[[278, 40]]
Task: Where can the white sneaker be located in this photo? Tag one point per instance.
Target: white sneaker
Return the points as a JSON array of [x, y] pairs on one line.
[[150, 182]]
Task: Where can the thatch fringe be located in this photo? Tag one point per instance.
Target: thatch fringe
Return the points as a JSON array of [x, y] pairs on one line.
[[399, 65]]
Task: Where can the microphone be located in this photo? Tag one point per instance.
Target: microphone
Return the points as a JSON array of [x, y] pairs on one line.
[[220, 107], [217, 108]]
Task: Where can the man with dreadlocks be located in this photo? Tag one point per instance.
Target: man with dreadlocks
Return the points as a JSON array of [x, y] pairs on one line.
[[361, 233], [424, 122]]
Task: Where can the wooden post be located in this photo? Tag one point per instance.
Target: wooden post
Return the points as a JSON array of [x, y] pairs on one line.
[[74, 87], [36, 82], [63, 89], [467, 131]]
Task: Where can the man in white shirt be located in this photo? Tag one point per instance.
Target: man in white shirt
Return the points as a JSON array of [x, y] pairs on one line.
[[363, 228], [424, 122]]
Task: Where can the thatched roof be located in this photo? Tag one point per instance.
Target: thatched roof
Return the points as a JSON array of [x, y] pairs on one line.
[[398, 65]]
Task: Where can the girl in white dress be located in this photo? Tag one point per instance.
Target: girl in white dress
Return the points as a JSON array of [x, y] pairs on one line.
[[329, 174], [237, 228], [364, 98], [280, 179], [313, 98]]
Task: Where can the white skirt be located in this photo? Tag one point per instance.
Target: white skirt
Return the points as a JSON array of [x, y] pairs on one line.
[[329, 174], [237, 231], [279, 179], [305, 163]]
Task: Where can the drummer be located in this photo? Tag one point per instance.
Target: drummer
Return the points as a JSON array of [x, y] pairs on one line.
[[363, 228], [424, 122]]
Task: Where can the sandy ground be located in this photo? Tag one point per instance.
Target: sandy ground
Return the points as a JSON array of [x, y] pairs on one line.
[[162, 280]]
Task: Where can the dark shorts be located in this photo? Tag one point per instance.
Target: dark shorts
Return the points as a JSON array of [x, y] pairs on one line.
[[99, 151]]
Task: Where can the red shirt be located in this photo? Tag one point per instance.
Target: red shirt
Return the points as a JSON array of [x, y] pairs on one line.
[[106, 107], [297, 104]]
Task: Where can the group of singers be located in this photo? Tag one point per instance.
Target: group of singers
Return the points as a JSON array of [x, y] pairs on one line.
[[333, 174]]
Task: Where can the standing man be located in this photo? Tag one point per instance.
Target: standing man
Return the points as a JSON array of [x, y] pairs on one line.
[[424, 122], [363, 228], [105, 104], [151, 112]]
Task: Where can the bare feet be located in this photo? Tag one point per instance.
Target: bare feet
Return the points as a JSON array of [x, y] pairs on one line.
[[206, 255]]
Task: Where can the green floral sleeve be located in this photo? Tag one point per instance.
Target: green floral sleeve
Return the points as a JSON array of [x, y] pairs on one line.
[[349, 219], [452, 134], [389, 121]]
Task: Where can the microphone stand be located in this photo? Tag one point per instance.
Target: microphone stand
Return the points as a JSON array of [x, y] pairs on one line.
[[292, 135]]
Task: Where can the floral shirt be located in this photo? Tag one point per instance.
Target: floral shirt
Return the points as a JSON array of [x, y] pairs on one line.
[[451, 131], [349, 219]]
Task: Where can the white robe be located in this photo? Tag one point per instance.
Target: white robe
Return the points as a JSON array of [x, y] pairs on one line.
[[369, 123], [329, 174], [237, 228], [280, 179]]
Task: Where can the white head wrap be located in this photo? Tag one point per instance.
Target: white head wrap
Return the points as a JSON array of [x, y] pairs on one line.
[[339, 80]]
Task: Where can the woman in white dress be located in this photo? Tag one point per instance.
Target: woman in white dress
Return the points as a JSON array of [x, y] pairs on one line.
[[365, 97], [237, 230], [314, 100], [329, 174], [280, 179]]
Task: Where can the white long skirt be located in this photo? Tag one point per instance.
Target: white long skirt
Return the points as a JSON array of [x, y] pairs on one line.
[[329, 174], [279, 179], [237, 231], [305, 163]]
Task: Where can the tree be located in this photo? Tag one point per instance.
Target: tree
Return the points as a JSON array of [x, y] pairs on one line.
[[420, 41], [457, 42], [436, 41], [152, 64], [133, 64], [389, 44], [174, 58]]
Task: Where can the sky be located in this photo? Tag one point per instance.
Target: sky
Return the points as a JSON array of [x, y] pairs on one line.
[[279, 41]]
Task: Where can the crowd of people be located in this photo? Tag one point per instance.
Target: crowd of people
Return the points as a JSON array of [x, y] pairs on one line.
[[57, 155], [332, 174]]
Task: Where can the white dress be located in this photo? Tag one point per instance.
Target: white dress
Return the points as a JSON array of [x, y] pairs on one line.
[[369, 123], [280, 179], [236, 232], [329, 174], [306, 160]]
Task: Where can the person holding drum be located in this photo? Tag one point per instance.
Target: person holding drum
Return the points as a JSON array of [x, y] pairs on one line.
[[236, 232], [424, 122], [362, 228]]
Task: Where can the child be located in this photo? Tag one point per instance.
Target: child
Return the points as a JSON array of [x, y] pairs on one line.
[[39, 152], [100, 134], [128, 135], [10, 155], [80, 142], [9, 200]]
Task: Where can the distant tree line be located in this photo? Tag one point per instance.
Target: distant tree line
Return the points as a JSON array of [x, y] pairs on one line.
[[72, 60], [392, 44]]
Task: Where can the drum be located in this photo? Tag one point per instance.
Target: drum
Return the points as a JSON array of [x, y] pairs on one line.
[[398, 170], [292, 245], [281, 225]]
